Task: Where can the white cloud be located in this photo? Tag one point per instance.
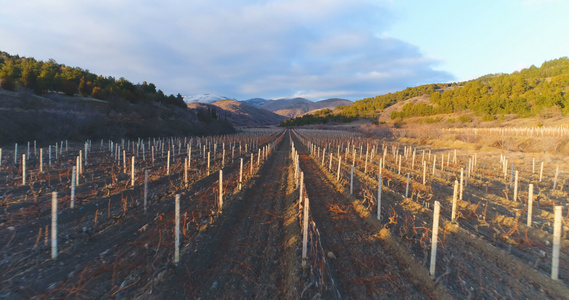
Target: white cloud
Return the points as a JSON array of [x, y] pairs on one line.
[[233, 48]]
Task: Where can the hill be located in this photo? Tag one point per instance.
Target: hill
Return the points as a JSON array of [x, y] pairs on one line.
[[531, 92], [295, 107], [25, 116], [239, 113]]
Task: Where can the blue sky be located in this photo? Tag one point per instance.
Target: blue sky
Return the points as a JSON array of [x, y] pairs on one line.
[[315, 49]]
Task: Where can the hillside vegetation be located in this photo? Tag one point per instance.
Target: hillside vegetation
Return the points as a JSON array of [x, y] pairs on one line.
[[43, 77], [47, 101], [530, 92]]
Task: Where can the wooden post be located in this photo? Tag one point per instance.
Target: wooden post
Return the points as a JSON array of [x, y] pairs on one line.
[[145, 189], [54, 225], [177, 230], [541, 172], [530, 204], [454, 201], [73, 171], [435, 237], [556, 243], [379, 184], [220, 190]]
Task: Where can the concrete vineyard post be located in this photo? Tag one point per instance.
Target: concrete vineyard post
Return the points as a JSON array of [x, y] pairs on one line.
[[241, 174], [379, 183], [208, 161], [533, 166], [132, 172], [407, 186], [251, 166], [77, 170], [352, 180], [177, 230], [424, 172], [530, 204], [23, 169], [516, 186], [54, 225], [186, 171], [454, 201], [301, 186], [145, 189], [339, 164], [461, 183], [16, 154], [541, 172], [305, 231], [434, 239], [434, 164], [168, 164], [73, 171], [220, 190], [329, 163], [41, 159], [556, 243], [399, 168]]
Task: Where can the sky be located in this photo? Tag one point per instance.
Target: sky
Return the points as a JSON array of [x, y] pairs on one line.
[[316, 49]]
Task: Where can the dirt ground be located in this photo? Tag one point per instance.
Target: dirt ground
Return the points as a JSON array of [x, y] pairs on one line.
[[110, 247]]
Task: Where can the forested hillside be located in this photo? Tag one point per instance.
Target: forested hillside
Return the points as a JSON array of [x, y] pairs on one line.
[[530, 92], [42, 77]]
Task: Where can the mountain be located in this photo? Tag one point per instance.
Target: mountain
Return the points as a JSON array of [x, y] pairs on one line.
[[279, 104], [239, 113], [204, 98], [299, 106], [255, 102]]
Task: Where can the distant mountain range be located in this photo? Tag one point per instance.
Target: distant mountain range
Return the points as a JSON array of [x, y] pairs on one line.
[[288, 108], [240, 114]]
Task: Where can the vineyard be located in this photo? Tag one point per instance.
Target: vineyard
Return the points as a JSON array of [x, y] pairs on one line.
[[288, 214]]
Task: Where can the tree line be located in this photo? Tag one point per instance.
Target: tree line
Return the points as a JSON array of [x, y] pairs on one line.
[[44, 77], [530, 92]]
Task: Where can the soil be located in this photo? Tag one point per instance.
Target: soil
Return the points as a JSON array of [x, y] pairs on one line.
[[251, 246]]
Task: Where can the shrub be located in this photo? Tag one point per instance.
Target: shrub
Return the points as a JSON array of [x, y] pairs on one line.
[[487, 118], [464, 119]]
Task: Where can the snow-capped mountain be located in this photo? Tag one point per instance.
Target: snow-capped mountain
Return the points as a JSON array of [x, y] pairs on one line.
[[204, 98]]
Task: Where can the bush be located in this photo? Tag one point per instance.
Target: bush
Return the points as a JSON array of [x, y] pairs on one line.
[[451, 120], [488, 117], [464, 119]]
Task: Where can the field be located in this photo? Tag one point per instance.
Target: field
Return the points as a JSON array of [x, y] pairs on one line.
[[297, 219]]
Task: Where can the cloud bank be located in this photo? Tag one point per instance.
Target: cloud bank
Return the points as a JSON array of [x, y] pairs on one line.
[[240, 49]]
